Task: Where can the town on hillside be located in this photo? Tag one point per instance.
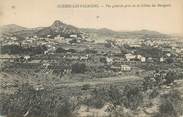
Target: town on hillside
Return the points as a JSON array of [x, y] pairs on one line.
[[66, 71]]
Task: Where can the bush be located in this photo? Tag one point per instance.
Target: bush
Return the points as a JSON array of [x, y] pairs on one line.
[[170, 77], [103, 95], [122, 112], [15, 49], [36, 103], [133, 97], [148, 83], [89, 51], [78, 68], [115, 96], [154, 93], [97, 98], [85, 87], [103, 60], [95, 102], [60, 50], [180, 76], [171, 105]]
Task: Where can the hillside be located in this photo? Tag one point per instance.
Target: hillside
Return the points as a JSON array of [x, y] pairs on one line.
[[107, 33], [58, 28], [11, 28]]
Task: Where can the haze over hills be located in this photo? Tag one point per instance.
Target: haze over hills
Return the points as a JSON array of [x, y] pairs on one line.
[[57, 28], [139, 34], [11, 28], [64, 30]]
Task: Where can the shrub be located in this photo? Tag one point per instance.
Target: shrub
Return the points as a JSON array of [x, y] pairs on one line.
[[133, 97], [103, 95], [115, 96], [180, 76], [89, 51], [78, 68], [60, 50], [37, 103], [122, 112], [85, 87], [15, 49], [95, 102], [171, 105], [148, 83], [170, 77], [97, 98], [154, 93]]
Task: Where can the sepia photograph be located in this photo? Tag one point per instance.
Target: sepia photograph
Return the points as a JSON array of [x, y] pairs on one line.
[[91, 58]]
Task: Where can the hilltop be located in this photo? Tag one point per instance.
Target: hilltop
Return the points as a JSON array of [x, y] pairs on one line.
[[58, 28]]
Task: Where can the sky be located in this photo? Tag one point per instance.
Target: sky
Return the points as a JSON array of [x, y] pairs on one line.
[[42, 13]]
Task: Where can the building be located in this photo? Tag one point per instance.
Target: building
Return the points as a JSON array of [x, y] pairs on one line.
[[143, 59], [84, 57], [162, 59], [109, 60], [73, 36], [168, 54], [130, 56], [125, 68]]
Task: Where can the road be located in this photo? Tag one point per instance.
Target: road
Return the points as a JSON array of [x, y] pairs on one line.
[[100, 81]]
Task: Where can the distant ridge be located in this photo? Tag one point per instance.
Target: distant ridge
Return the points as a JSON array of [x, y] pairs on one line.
[[108, 33], [10, 28], [65, 30]]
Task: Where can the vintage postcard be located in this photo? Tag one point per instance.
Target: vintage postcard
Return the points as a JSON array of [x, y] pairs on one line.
[[91, 58]]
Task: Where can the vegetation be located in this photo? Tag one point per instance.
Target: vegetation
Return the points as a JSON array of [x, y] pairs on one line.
[[33, 103], [78, 68], [133, 97], [170, 77], [50, 102], [16, 49], [59, 79], [171, 105]]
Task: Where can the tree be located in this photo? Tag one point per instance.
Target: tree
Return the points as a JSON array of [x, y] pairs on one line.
[[78, 68], [133, 97], [170, 77], [60, 50]]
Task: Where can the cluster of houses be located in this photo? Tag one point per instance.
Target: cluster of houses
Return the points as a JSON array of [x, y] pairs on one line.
[[131, 57], [110, 55]]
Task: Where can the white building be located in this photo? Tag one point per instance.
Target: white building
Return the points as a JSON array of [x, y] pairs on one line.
[[125, 68], [73, 36], [143, 59], [168, 54], [161, 59], [130, 56], [109, 60], [84, 57]]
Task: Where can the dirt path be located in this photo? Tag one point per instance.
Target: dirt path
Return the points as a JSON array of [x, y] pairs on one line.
[[100, 81]]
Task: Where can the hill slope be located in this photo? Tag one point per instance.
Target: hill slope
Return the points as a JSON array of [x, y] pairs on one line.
[[58, 28], [11, 28]]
